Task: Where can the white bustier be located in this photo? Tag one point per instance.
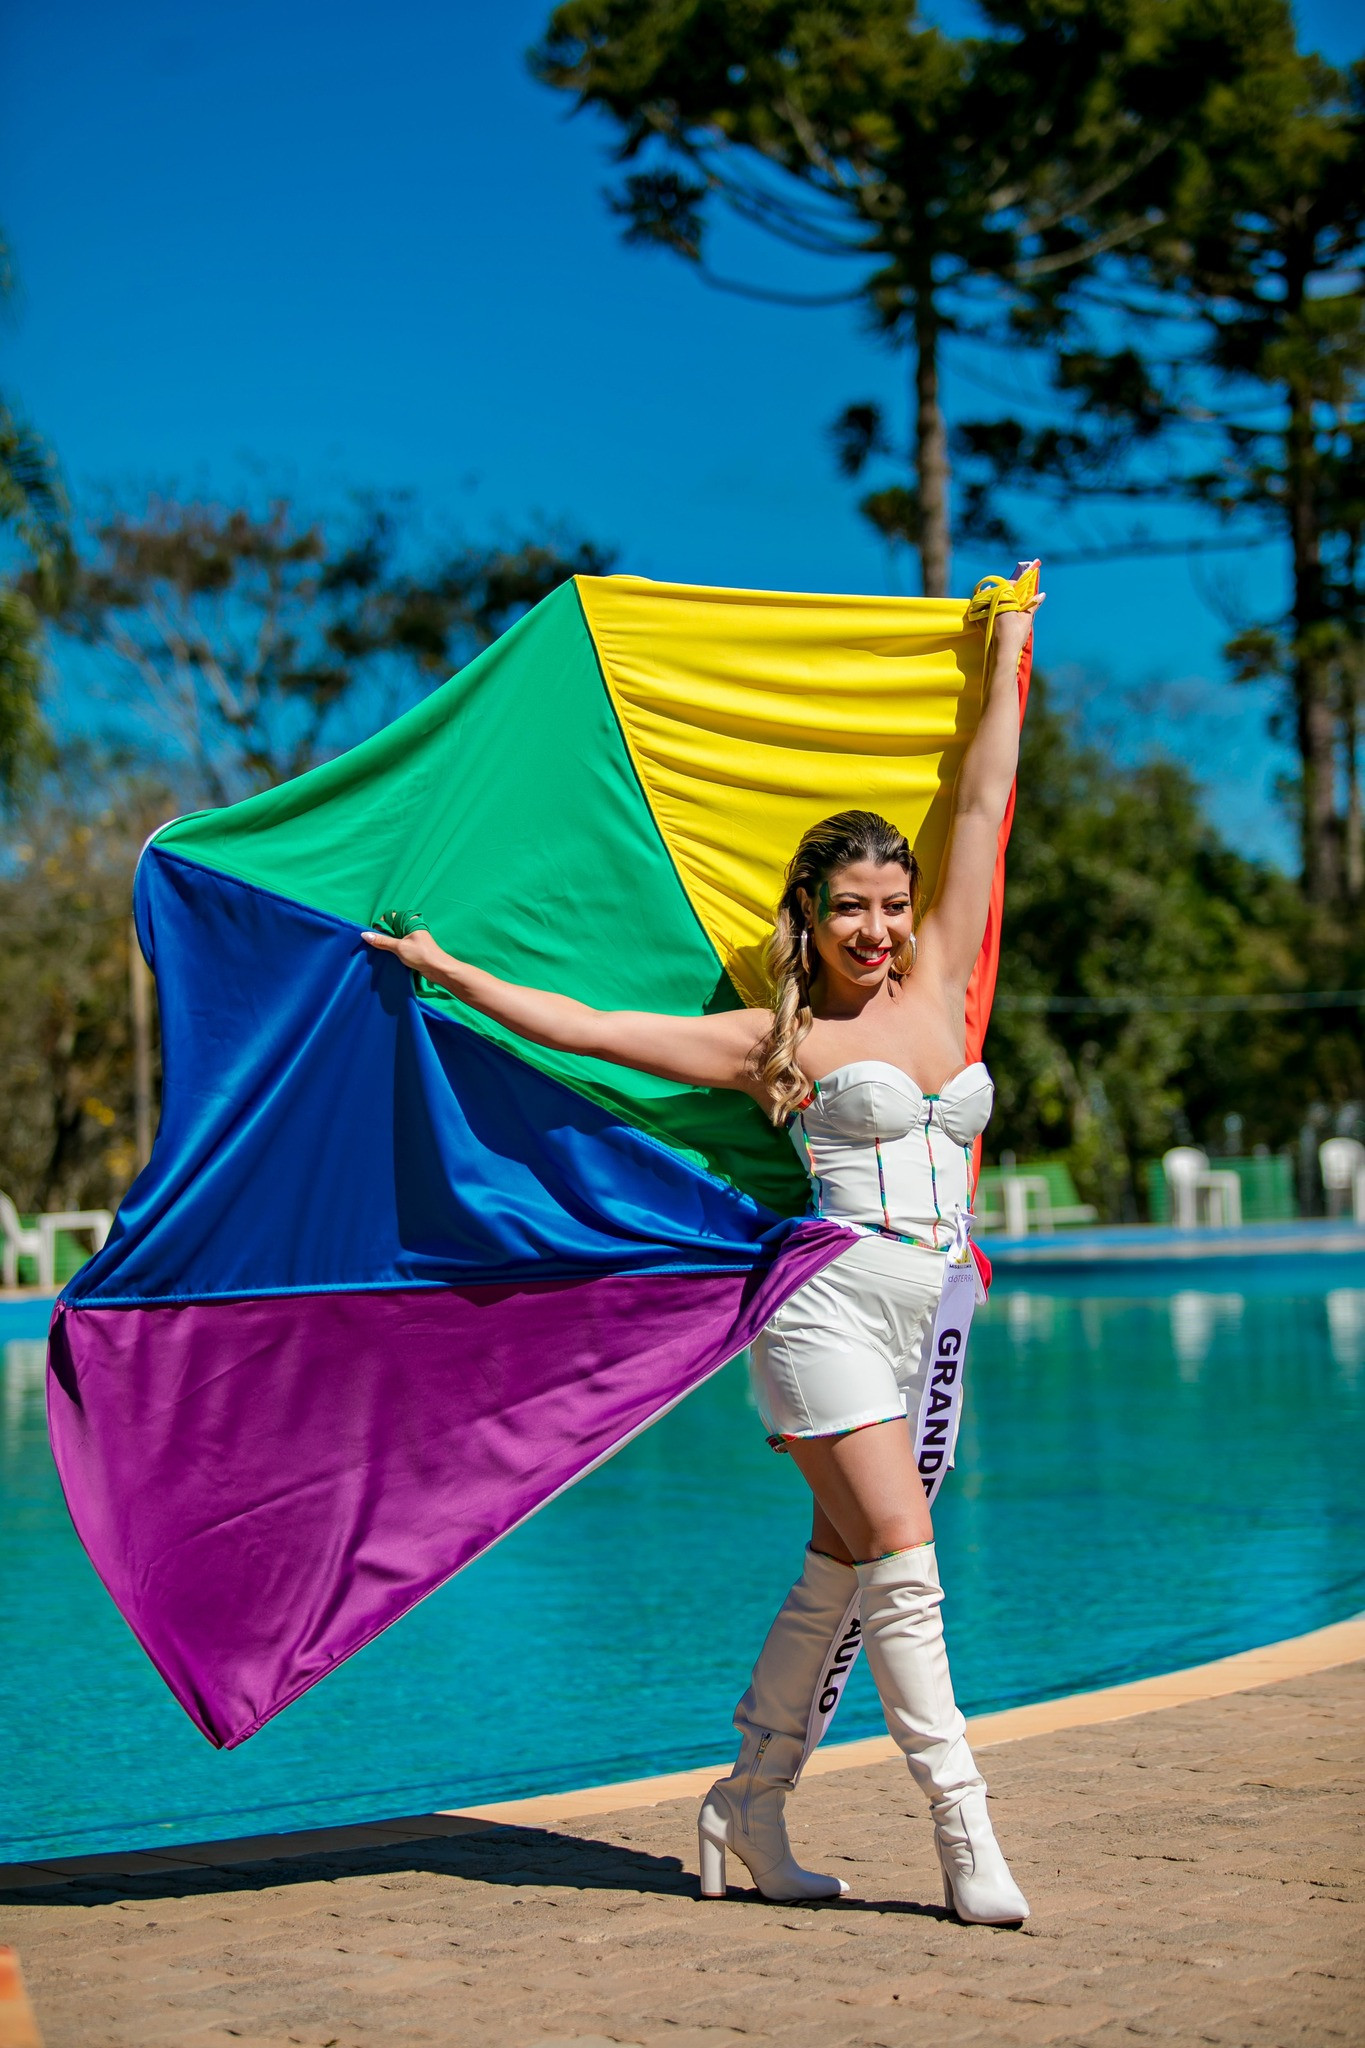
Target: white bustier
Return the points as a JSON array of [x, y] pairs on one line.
[[883, 1154]]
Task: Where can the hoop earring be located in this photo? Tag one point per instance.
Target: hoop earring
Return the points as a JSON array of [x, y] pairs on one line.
[[805, 952], [901, 964]]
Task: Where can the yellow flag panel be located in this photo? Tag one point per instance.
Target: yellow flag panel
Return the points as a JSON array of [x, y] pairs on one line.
[[751, 714]]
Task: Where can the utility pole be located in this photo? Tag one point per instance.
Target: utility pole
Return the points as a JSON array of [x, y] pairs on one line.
[[140, 1006]]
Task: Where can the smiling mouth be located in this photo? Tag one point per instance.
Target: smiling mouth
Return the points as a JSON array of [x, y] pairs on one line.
[[869, 959]]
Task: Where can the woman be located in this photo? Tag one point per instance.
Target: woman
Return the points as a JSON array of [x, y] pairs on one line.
[[863, 1057]]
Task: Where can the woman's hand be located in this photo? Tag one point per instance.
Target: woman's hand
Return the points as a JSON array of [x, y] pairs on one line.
[[1013, 629], [419, 951]]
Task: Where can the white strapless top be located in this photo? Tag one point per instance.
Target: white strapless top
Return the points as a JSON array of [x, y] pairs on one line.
[[883, 1154]]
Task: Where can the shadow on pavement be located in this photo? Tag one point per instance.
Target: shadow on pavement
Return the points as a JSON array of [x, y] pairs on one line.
[[435, 1845]]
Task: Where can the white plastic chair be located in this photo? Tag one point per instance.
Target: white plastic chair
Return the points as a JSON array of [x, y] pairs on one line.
[[1342, 1163], [1027, 1203], [20, 1242], [1015, 1190], [1190, 1178], [38, 1241]]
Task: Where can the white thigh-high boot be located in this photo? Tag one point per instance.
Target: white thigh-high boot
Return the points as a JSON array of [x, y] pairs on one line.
[[903, 1636], [744, 1811]]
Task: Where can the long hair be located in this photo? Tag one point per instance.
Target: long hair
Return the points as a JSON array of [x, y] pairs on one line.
[[834, 843]]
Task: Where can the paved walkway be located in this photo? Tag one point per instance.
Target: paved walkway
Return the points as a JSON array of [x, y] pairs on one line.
[[1195, 1875]]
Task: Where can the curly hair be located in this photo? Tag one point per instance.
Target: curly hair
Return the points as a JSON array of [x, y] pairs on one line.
[[834, 843]]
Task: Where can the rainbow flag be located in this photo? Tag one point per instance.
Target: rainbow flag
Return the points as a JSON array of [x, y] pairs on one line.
[[394, 1277]]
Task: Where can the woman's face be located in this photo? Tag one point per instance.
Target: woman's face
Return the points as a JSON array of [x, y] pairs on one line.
[[860, 918]]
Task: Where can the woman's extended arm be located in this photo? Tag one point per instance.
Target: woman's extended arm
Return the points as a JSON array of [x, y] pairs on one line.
[[951, 932], [704, 1052]]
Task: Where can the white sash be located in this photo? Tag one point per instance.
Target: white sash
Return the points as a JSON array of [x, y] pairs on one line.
[[940, 1413], [843, 1655], [940, 1407]]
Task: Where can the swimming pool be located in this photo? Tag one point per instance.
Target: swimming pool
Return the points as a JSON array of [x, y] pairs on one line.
[[1152, 1472]]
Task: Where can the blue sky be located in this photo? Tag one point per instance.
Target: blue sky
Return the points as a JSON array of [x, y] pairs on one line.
[[323, 247]]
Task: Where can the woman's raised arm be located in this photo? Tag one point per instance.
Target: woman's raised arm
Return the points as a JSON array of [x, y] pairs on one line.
[[952, 929], [703, 1052]]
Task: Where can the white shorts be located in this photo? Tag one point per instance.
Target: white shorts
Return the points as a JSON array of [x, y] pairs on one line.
[[847, 1349]]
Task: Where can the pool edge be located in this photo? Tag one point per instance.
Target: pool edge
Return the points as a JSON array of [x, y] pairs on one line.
[[1322, 1649], [1341, 1642]]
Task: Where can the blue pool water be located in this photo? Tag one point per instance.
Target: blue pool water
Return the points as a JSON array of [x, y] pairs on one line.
[[1151, 1472]]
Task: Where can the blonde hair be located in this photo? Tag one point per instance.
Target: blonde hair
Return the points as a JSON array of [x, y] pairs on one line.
[[832, 844]]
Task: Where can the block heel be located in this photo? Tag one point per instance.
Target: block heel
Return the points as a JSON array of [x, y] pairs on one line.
[[711, 1857], [752, 1827]]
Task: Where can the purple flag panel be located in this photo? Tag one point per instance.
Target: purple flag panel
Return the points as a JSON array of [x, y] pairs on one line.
[[265, 1485]]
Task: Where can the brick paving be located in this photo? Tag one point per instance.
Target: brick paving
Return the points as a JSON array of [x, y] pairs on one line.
[[1195, 1876]]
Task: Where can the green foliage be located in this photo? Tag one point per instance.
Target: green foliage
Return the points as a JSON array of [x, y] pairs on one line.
[[66, 1107], [33, 521], [256, 640], [1221, 363], [1165, 195], [34, 546], [33, 504], [23, 730], [957, 178], [1120, 891]]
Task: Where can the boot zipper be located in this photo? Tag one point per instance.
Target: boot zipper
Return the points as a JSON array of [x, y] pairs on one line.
[[765, 1739]]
